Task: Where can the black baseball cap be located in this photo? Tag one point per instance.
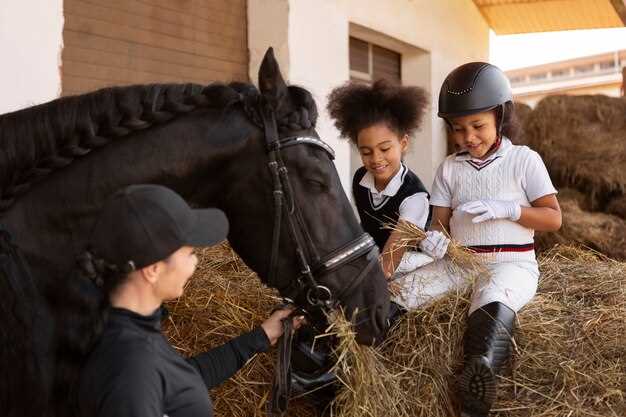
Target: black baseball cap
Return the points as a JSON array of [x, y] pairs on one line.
[[143, 224]]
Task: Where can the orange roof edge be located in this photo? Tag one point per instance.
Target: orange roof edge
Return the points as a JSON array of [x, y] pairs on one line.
[[508, 17]]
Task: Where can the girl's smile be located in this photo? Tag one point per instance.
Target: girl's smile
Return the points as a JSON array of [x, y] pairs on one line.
[[475, 133], [381, 152]]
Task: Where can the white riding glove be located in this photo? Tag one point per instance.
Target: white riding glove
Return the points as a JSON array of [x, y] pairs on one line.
[[435, 244], [492, 209], [413, 260]]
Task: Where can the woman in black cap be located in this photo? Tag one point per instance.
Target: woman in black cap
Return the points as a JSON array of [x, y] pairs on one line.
[[140, 255], [490, 196]]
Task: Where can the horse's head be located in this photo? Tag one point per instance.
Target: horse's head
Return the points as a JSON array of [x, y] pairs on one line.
[[309, 223]]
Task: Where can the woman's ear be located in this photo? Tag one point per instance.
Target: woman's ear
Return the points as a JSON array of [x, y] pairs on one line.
[[152, 272]]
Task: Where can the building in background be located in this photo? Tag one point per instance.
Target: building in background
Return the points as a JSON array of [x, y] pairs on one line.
[[59, 47], [595, 74]]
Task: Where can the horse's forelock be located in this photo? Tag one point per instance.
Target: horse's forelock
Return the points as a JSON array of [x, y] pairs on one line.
[[303, 99]]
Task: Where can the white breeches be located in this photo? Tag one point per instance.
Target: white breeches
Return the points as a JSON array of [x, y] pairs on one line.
[[513, 284]]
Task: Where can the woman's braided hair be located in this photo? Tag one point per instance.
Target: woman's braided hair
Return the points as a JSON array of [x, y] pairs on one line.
[[103, 274], [81, 304]]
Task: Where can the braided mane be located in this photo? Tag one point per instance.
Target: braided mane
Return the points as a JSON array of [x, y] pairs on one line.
[[38, 140]]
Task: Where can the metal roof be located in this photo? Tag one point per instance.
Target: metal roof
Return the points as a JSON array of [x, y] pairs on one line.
[[507, 17]]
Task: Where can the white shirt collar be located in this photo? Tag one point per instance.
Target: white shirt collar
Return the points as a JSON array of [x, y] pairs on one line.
[[504, 147], [391, 189]]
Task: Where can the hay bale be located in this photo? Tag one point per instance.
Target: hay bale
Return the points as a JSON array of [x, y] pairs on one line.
[[617, 207], [570, 350], [522, 111], [223, 300], [599, 231], [569, 358], [582, 139]]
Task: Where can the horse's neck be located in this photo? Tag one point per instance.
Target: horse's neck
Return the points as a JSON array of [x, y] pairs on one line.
[[51, 222]]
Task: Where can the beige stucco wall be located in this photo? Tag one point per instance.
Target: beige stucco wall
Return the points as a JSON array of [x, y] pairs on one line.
[[30, 43], [433, 36]]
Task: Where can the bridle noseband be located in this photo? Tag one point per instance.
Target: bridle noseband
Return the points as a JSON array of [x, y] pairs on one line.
[[308, 282]]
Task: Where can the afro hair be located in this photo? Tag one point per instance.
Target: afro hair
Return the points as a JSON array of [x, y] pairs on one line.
[[356, 106]]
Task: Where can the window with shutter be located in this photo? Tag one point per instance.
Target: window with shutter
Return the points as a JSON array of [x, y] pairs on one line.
[[369, 62]]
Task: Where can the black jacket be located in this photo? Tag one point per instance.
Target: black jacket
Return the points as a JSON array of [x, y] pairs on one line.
[[135, 372]]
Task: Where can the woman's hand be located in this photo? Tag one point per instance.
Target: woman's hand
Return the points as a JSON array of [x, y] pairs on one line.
[[273, 326]]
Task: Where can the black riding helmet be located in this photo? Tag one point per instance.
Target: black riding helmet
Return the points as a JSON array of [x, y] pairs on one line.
[[473, 88]]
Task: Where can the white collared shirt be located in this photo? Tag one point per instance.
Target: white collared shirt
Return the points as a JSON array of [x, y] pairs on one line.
[[511, 173], [413, 209], [533, 174], [505, 146]]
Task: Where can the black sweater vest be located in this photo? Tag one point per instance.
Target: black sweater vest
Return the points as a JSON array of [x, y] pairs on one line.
[[373, 218]]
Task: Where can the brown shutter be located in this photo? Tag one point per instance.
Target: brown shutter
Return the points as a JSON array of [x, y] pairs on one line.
[[359, 55], [386, 64]]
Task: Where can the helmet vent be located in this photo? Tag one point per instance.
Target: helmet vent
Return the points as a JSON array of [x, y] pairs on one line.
[[460, 93]]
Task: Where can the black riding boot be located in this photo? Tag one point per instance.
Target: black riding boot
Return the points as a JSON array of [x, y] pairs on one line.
[[486, 347]]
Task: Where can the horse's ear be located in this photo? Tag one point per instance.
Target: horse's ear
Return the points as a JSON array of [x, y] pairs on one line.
[[271, 82]]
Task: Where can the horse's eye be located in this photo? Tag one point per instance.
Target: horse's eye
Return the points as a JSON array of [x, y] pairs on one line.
[[316, 184]]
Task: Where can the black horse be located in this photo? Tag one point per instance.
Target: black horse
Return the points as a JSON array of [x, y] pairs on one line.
[[60, 160]]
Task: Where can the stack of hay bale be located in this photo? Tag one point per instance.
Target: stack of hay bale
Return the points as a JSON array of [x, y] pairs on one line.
[[570, 347], [582, 140], [223, 300]]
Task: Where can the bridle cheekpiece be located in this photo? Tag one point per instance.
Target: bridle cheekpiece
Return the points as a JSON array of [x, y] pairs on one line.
[[315, 293]]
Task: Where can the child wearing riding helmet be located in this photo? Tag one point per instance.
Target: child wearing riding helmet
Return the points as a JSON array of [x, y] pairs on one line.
[[490, 196], [140, 255], [379, 120]]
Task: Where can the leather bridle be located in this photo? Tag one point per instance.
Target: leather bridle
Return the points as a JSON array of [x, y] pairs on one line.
[[308, 290], [310, 280]]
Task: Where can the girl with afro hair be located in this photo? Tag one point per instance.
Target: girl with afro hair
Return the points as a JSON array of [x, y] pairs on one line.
[[379, 119]]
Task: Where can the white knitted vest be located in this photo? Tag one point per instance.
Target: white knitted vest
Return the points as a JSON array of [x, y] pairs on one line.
[[500, 180]]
